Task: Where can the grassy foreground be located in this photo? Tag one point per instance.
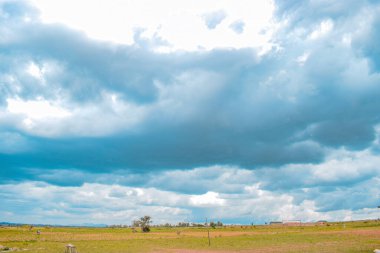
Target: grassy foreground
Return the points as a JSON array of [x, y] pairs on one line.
[[359, 236]]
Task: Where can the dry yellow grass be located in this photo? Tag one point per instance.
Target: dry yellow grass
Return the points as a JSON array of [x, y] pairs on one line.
[[336, 237]]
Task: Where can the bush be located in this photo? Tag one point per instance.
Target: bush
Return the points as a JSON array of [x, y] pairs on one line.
[[144, 223]]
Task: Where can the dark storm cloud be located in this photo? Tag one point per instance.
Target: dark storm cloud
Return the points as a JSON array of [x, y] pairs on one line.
[[225, 106]]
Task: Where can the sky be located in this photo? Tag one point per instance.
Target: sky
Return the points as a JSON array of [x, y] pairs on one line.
[[239, 111]]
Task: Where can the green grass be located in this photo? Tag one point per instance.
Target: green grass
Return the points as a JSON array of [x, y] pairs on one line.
[[362, 236]]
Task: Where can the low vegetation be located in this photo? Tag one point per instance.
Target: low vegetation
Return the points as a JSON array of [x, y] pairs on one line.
[[359, 236]]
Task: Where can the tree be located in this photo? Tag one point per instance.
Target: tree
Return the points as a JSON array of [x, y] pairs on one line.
[[145, 223], [183, 224], [136, 223]]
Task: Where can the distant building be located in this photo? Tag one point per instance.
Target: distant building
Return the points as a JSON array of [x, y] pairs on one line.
[[291, 222], [275, 223], [286, 223]]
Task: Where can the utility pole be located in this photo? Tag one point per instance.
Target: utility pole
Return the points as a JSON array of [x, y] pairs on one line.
[[208, 233]]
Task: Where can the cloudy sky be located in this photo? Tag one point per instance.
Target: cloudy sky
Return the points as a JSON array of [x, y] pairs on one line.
[[240, 111]]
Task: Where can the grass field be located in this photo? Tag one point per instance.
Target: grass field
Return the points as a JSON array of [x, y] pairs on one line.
[[359, 236]]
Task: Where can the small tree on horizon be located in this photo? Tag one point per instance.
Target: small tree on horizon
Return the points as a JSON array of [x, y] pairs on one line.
[[144, 223], [136, 223]]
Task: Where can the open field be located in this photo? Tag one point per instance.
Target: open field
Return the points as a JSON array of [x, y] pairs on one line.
[[360, 236]]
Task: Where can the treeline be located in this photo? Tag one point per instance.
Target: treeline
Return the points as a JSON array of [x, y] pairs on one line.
[[179, 224]]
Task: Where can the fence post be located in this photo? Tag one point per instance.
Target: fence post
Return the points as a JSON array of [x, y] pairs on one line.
[[70, 249]]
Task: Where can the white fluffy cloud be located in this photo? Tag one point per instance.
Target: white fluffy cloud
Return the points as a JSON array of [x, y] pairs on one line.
[[115, 204], [174, 22], [337, 189]]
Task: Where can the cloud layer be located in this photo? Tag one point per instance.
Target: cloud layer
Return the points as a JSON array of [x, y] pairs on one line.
[[290, 125]]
